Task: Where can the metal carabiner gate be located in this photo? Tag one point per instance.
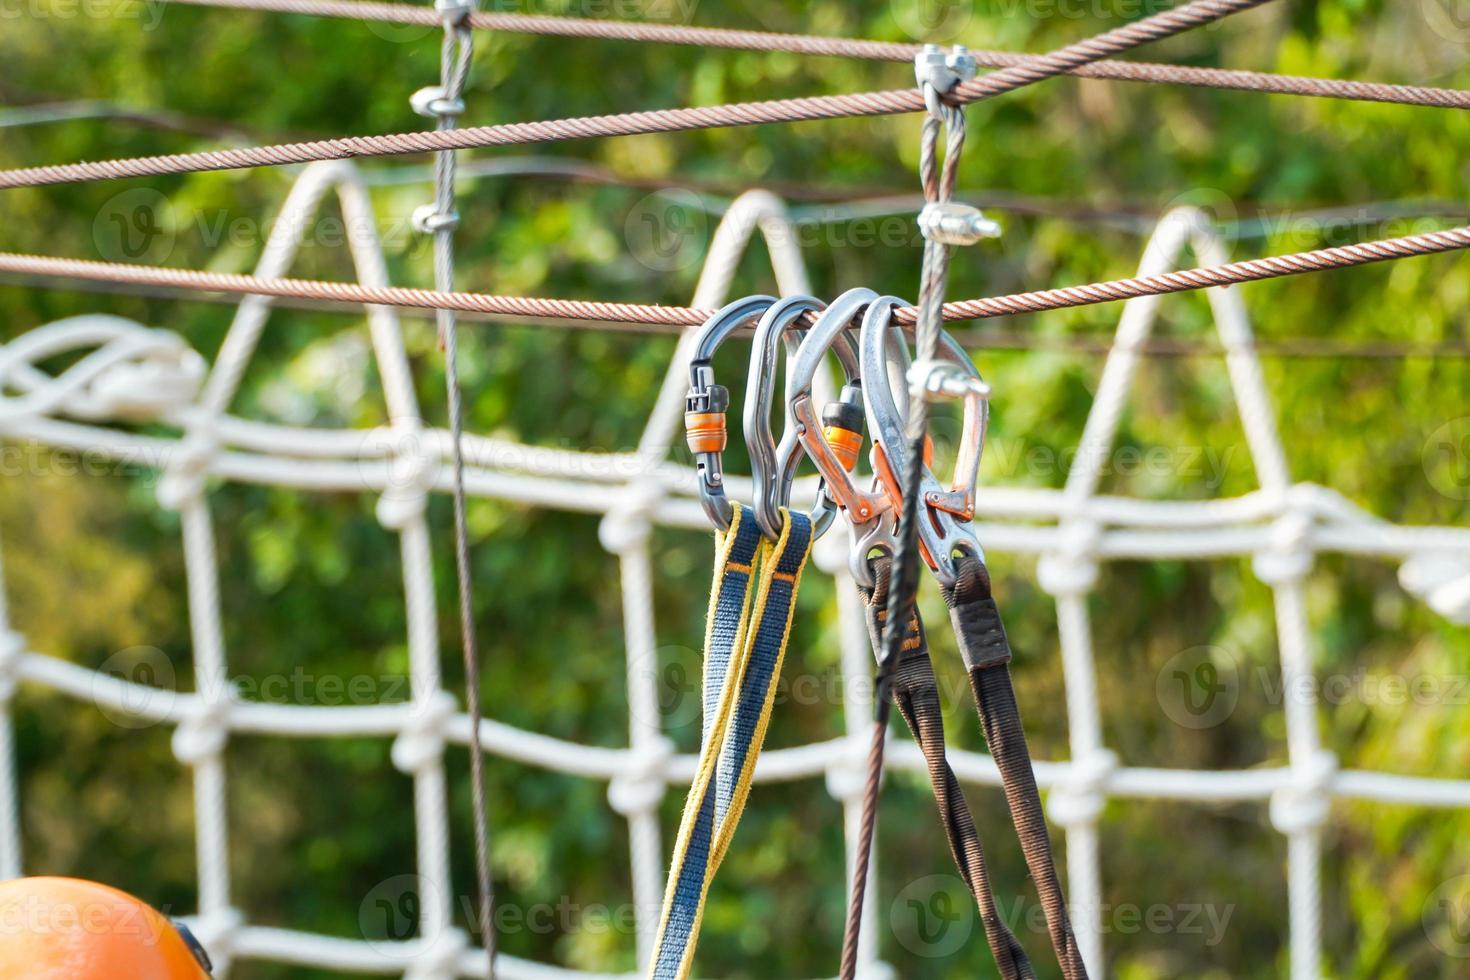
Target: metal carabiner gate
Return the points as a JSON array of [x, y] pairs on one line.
[[773, 467], [707, 402], [949, 510]]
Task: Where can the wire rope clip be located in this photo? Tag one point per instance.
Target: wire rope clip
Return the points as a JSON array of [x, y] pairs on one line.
[[433, 101], [944, 381], [952, 223], [427, 219], [454, 13], [938, 71]]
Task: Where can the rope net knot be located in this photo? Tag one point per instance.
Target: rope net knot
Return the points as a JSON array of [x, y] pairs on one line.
[[420, 743], [189, 466], [412, 470], [629, 520], [1306, 801], [439, 957], [643, 785], [204, 730], [218, 932], [1078, 800], [1071, 569], [1289, 555], [847, 771]]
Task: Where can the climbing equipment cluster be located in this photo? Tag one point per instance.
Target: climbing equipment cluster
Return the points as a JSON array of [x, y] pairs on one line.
[[903, 518]]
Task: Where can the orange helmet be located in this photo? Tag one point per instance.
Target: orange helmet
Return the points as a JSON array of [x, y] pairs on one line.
[[66, 929]]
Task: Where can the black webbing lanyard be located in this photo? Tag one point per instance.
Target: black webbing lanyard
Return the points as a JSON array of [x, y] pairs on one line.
[[982, 641], [916, 695], [935, 522], [987, 655]]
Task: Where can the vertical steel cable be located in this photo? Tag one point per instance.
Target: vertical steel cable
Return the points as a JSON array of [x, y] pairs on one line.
[[456, 54], [939, 186]]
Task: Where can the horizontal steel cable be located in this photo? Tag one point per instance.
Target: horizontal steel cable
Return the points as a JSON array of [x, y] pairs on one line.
[[1230, 274], [841, 47], [1152, 28], [991, 339]]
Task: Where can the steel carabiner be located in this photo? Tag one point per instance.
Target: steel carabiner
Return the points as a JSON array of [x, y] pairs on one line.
[[707, 402], [773, 468], [949, 509], [833, 440]]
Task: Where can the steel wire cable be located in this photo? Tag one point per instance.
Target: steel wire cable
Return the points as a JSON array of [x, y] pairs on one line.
[[992, 340], [841, 47], [1184, 280], [1152, 28], [939, 184], [456, 55]]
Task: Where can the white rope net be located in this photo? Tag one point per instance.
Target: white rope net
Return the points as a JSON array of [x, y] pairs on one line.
[[132, 373]]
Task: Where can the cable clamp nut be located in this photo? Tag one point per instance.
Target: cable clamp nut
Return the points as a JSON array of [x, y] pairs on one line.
[[944, 381], [433, 101], [427, 219], [950, 223], [938, 71]]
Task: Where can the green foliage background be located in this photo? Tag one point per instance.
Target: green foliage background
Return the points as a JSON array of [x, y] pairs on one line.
[[312, 582]]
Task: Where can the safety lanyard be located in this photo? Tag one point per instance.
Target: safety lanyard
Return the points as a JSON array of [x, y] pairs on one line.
[[950, 548], [987, 655], [833, 440], [934, 523], [986, 651], [751, 605], [915, 693]]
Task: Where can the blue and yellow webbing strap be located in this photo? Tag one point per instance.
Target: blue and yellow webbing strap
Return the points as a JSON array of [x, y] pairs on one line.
[[745, 642]]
